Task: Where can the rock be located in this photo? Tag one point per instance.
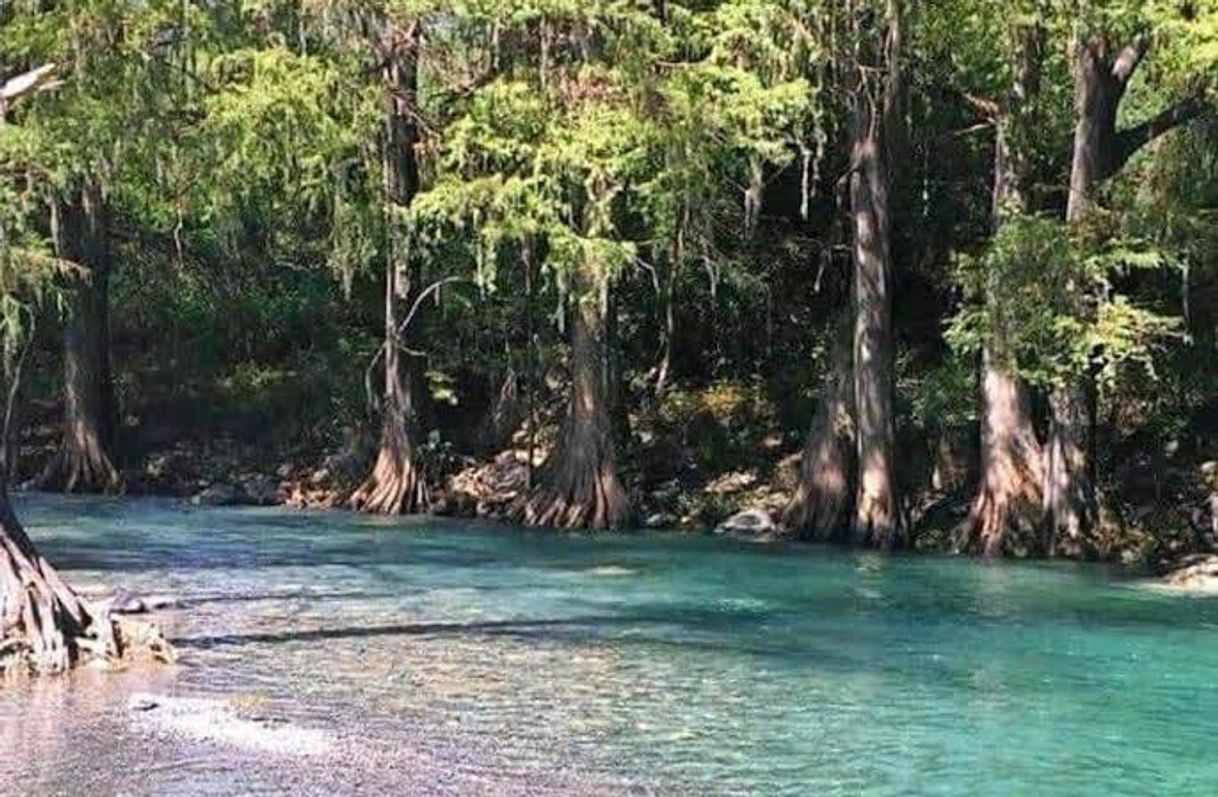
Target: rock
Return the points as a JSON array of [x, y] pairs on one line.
[[143, 703], [129, 604], [124, 602], [260, 490], [659, 520], [158, 602], [749, 523], [733, 482], [216, 495], [488, 490], [1194, 572]]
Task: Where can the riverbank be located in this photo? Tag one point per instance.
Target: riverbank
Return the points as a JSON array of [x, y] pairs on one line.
[[744, 503], [700, 459]]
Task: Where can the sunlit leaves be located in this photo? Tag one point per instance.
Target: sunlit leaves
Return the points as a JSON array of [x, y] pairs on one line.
[[1055, 304]]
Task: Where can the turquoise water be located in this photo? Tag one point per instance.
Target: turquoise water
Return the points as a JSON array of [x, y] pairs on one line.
[[439, 657]]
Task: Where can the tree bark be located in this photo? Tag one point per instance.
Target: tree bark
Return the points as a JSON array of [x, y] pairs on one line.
[[84, 460], [877, 517], [578, 484], [1006, 509], [45, 626], [1069, 494], [824, 494], [396, 485]]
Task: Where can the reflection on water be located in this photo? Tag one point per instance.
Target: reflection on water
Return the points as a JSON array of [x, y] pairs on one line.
[[435, 657]]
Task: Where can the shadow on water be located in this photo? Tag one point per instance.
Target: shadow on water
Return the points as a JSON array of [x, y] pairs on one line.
[[481, 628], [647, 630]]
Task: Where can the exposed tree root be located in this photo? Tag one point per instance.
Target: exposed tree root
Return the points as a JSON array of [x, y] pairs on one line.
[[579, 489], [46, 628], [822, 498], [579, 485], [395, 486], [80, 465], [1004, 516], [876, 522], [1006, 512]]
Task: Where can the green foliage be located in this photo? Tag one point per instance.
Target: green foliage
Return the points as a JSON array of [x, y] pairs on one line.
[[1050, 297]]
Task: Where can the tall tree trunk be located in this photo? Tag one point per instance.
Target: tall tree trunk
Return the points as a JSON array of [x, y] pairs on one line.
[[578, 483], [1100, 152], [1006, 509], [821, 504], [1069, 495], [877, 516], [396, 486], [84, 460]]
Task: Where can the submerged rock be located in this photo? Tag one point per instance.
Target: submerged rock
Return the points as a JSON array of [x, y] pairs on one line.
[[123, 601], [752, 523]]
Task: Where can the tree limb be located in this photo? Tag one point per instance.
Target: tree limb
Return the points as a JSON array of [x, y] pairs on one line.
[[1127, 62], [1131, 140], [27, 82], [988, 108]]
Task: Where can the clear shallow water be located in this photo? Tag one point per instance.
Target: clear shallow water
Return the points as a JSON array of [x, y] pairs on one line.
[[437, 657]]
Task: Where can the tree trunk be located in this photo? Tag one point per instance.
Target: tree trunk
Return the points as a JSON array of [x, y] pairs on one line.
[[823, 496], [396, 486], [1069, 498], [578, 483], [83, 461], [1100, 152], [45, 627], [876, 519], [1069, 494], [1006, 509]]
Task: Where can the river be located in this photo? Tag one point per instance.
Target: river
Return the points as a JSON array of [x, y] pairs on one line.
[[333, 654]]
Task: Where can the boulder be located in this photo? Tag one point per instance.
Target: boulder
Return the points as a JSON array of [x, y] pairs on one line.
[[260, 490], [754, 523], [216, 495], [488, 490], [660, 520], [1194, 572]]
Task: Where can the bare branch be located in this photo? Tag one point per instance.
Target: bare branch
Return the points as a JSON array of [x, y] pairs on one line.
[[1133, 139], [27, 82], [988, 108], [1127, 62], [423, 294]]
